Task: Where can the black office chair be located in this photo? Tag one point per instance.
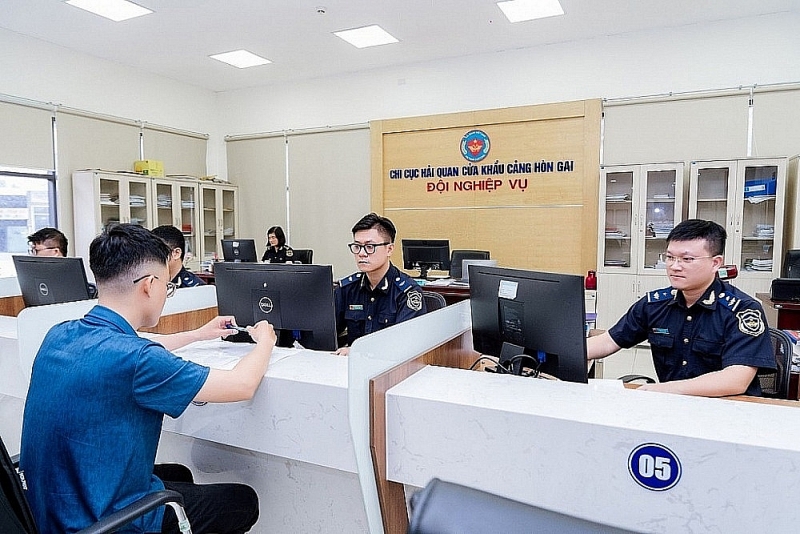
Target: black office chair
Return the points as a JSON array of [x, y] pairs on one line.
[[433, 301], [447, 508], [16, 516], [791, 264], [775, 384], [457, 256], [303, 255]]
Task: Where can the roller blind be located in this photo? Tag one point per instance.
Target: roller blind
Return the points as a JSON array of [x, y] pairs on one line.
[[26, 138], [651, 132], [776, 123], [181, 154]]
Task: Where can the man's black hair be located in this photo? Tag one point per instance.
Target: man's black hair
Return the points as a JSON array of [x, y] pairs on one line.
[[50, 234], [122, 249], [691, 229], [382, 224], [278, 231], [172, 237]]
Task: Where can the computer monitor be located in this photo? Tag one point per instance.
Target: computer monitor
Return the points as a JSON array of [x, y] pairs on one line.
[[458, 256], [49, 280], [426, 254], [465, 267], [791, 264], [296, 299], [529, 319], [239, 250]]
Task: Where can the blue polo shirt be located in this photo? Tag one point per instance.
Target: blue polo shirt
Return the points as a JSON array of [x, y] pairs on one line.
[[92, 421], [724, 327]]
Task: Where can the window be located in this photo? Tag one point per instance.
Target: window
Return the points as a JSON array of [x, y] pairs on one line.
[[27, 203]]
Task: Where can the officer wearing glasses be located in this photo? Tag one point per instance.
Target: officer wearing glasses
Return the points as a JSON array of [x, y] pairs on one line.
[[707, 337], [47, 242], [379, 295]]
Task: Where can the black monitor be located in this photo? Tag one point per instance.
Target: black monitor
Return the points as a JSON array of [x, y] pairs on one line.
[[48, 280], [791, 264], [239, 250], [530, 320], [456, 265], [296, 299], [426, 254]]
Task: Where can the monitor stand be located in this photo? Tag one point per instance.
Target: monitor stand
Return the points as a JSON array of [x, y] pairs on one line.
[[423, 270]]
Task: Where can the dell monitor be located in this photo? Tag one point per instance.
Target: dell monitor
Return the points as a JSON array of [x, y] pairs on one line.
[[296, 299], [239, 250], [50, 280], [426, 254], [791, 264], [531, 320]]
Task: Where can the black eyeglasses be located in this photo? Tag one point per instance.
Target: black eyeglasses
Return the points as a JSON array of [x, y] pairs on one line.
[[170, 286], [369, 248]]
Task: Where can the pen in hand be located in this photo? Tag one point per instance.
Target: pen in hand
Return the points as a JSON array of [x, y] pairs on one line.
[[235, 327]]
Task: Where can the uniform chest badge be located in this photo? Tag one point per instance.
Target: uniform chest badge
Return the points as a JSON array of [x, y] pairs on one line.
[[414, 301], [751, 322]]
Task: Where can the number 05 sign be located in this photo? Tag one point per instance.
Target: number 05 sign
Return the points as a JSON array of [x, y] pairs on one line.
[[654, 467]]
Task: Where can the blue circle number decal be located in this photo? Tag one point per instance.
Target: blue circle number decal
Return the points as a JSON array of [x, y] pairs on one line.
[[654, 467]]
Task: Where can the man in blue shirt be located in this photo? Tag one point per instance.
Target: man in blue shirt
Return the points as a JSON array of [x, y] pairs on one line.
[[707, 337], [99, 392], [178, 273], [379, 295]]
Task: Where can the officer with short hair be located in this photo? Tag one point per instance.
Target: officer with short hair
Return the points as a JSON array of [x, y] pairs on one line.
[[379, 295]]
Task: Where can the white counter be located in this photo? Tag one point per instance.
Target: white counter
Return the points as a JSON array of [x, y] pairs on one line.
[[566, 447]]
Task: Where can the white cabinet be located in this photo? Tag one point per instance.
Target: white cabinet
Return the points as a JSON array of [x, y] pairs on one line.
[[219, 218], [746, 197], [177, 203], [102, 198]]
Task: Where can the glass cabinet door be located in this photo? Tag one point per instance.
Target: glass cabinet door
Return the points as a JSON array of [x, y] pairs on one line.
[[138, 193], [661, 211], [186, 218], [619, 201], [758, 196], [109, 202]]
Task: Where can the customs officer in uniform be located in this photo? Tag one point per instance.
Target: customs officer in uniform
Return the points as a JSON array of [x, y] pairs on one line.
[[179, 275], [707, 337], [379, 295], [277, 249]]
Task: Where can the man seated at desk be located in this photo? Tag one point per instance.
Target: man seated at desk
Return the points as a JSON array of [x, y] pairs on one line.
[[51, 242], [178, 274], [707, 337], [379, 295], [99, 392]]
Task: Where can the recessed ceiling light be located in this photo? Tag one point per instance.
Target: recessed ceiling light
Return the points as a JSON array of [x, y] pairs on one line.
[[367, 36], [241, 59], [116, 10], [522, 10]]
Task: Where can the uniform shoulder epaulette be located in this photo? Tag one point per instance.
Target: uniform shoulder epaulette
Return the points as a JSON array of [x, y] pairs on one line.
[[355, 277], [403, 283], [729, 300], [661, 295]]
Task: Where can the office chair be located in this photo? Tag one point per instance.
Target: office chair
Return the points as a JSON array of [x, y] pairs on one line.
[[775, 383], [303, 255], [16, 516], [433, 301], [791, 264], [447, 508], [457, 256]]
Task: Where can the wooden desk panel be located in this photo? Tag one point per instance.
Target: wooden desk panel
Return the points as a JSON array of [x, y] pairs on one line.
[[451, 294]]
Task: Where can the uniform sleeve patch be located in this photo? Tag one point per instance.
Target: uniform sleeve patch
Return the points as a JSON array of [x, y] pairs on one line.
[[751, 322], [414, 301]]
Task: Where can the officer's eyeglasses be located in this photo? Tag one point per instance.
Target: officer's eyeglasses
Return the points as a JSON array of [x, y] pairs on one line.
[[369, 248], [34, 251], [683, 260], [170, 286]]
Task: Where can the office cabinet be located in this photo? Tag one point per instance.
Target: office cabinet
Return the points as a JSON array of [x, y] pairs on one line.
[[747, 198], [101, 198], [219, 218], [176, 203]]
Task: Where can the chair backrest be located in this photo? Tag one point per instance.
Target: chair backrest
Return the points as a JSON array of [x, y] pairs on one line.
[[433, 301], [303, 255], [457, 256], [775, 384]]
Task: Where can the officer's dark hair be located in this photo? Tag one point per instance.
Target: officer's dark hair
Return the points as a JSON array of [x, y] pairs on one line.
[[49, 234], [172, 237], [382, 224], [117, 256], [278, 231], [691, 229]]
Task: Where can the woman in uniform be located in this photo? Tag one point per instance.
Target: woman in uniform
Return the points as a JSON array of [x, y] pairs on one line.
[[277, 249]]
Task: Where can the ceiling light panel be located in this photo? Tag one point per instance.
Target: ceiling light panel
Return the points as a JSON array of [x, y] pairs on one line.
[[367, 36], [522, 10], [241, 59], [116, 10]]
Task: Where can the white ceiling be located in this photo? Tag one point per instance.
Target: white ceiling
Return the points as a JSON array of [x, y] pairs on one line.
[[177, 39]]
